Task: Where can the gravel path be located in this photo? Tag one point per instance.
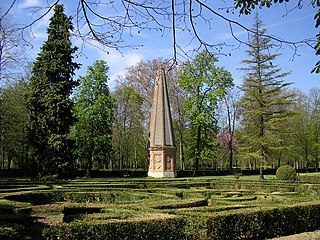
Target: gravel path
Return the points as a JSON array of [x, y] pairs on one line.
[[302, 236]]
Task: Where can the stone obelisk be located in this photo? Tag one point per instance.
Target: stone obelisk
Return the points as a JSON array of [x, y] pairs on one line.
[[162, 146]]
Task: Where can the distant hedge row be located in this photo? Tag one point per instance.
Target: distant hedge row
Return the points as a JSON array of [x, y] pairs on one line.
[[143, 173], [246, 224]]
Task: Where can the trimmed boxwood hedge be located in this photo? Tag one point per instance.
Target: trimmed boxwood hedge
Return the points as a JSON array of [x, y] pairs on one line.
[[265, 223], [167, 228], [38, 198], [251, 224], [14, 232]]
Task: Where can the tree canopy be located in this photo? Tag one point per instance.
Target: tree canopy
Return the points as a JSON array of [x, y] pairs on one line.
[[49, 102], [204, 84], [94, 114], [264, 98]]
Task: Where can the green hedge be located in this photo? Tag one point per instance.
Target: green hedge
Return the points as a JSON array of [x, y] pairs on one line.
[[167, 228], [248, 224], [184, 204], [38, 198], [265, 223], [14, 232]]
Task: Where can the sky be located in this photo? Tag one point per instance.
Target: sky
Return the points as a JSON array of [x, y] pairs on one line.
[[296, 25]]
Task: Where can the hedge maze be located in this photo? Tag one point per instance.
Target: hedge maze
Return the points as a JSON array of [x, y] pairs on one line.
[[137, 208]]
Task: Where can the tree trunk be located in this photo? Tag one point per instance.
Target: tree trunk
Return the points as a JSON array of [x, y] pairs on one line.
[[197, 159], [3, 157], [261, 175], [306, 156], [9, 160], [317, 151], [230, 152], [120, 157], [89, 165], [181, 153]]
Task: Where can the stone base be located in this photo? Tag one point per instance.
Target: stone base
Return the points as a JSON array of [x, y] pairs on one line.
[[162, 174], [162, 162]]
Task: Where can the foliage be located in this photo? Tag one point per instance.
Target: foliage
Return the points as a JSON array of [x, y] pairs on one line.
[[38, 198], [50, 107], [94, 113], [317, 45], [14, 232], [204, 84], [246, 7], [13, 124], [167, 228], [243, 224], [266, 223], [129, 140], [264, 102], [192, 208], [286, 172]]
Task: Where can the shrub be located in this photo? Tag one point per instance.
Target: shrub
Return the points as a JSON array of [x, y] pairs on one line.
[[168, 228], [37, 198], [264, 224], [14, 232], [286, 172]]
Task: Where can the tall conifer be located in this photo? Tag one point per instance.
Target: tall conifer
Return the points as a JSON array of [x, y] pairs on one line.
[[265, 100], [50, 107]]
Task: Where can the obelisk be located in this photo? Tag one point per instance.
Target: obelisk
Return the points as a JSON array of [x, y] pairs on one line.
[[162, 146]]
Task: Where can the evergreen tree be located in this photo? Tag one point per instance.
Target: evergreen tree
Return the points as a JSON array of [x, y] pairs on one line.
[[265, 101], [204, 84], [94, 112], [50, 107]]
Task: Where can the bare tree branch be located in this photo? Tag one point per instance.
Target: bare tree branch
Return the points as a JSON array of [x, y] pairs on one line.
[[111, 23]]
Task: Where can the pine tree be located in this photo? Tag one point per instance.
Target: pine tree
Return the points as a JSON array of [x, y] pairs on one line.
[[51, 84], [265, 100], [94, 112]]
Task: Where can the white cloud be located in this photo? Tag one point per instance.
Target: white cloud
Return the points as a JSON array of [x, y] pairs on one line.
[[39, 29], [119, 63], [29, 3]]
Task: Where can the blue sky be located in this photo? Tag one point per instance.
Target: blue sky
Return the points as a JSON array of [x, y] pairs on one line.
[[297, 25]]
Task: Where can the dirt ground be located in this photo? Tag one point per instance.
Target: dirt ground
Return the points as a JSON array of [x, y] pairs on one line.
[[302, 236]]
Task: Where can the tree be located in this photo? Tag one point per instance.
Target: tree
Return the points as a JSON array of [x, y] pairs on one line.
[[49, 100], [11, 50], [94, 113], [177, 99], [13, 124], [204, 84], [264, 101], [230, 109], [129, 137], [314, 98]]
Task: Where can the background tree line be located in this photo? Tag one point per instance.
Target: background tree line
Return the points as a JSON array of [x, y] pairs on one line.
[[53, 123]]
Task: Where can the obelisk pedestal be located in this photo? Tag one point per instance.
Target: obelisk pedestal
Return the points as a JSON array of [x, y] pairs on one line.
[[162, 146]]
